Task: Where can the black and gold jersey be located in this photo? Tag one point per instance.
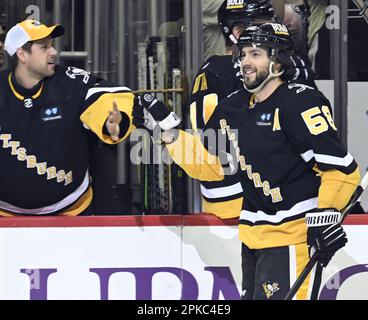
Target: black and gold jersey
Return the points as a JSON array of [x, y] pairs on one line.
[[217, 78], [43, 140], [289, 161]]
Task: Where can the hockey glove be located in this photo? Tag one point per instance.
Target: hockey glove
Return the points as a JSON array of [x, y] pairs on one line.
[[138, 114], [157, 113], [325, 234]]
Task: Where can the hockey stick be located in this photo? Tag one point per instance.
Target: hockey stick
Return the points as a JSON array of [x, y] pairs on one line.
[[310, 265]]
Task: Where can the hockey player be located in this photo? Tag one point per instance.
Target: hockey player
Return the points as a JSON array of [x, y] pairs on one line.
[[295, 173], [234, 18], [218, 78], [45, 113]]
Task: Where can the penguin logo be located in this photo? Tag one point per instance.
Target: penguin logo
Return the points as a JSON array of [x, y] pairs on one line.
[[270, 288]]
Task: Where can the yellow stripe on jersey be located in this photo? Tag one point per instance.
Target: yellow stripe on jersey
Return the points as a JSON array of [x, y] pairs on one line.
[[7, 214], [210, 102], [252, 101], [337, 188], [190, 154], [224, 209], [81, 205], [18, 95], [270, 236], [315, 168], [97, 113], [302, 258], [276, 121], [200, 83]]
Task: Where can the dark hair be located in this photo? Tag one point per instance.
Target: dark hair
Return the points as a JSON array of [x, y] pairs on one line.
[[284, 58], [14, 58], [277, 41]]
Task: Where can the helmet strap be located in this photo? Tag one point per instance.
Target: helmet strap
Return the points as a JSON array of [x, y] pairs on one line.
[[232, 38], [270, 76]]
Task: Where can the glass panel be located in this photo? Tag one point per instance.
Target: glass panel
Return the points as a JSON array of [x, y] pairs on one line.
[[155, 62]]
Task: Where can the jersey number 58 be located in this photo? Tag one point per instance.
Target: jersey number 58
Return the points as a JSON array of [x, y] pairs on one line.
[[315, 122]]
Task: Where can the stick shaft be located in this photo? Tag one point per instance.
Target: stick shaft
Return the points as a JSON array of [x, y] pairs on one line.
[[304, 274]]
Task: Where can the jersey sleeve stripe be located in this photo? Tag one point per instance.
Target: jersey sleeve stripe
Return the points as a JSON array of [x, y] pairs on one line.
[[344, 162], [323, 158], [308, 156], [221, 192], [193, 115], [281, 215], [210, 102], [93, 91]]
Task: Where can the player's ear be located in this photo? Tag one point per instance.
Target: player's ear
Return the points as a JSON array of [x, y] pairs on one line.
[[237, 30], [21, 54]]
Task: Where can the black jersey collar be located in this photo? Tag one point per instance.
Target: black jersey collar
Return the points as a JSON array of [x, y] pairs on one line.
[[253, 102], [22, 93]]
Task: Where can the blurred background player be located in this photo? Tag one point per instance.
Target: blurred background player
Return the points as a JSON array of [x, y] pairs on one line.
[[213, 39], [46, 112], [296, 20], [233, 19], [219, 77]]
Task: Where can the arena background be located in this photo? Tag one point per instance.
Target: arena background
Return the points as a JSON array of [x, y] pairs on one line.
[[160, 45]]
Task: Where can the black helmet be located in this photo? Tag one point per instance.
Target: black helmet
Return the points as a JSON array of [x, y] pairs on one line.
[[276, 38], [233, 12], [270, 35]]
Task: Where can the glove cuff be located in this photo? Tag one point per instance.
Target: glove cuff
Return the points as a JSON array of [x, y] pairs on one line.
[[322, 218], [170, 122]]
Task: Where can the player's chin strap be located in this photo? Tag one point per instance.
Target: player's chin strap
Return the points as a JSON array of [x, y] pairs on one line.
[[232, 38], [270, 76]]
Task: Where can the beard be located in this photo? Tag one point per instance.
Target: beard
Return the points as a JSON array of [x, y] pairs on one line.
[[260, 77]]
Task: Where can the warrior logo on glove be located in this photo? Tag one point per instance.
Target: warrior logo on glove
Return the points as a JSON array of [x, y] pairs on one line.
[[325, 235]]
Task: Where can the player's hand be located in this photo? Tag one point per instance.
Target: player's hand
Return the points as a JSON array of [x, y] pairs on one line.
[[325, 234], [113, 123]]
